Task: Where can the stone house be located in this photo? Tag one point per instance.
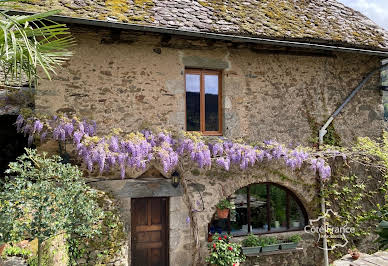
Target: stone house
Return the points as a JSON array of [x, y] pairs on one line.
[[255, 70]]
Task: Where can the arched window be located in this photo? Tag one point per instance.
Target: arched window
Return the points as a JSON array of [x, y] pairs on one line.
[[260, 209]]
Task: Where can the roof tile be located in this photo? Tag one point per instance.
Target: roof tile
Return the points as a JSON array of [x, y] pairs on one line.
[[324, 21]]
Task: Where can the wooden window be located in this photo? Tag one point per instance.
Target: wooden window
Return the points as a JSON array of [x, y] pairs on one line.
[[261, 209], [203, 101]]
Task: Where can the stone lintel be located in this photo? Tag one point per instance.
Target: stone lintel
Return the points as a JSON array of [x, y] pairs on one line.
[[204, 62], [139, 188]]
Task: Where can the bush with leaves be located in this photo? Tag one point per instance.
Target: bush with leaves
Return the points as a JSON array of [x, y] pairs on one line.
[[383, 234], [224, 204], [251, 241], [223, 252], [41, 198], [294, 239], [15, 251]]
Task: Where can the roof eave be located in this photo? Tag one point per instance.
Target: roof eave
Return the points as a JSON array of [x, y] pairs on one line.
[[209, 35]]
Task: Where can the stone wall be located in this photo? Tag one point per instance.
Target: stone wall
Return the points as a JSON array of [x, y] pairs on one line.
[[136, 80], [205, 188], [149, 184], [131, 80]]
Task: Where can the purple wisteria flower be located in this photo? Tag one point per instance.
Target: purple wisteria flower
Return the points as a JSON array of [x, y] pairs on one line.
[[136, 150]]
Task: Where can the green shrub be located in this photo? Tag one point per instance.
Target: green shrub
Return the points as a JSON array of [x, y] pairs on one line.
[[223, 252], [16, 251], [41, 198], [383, 234], [224, 204], [267, 240], [251, 241], [295, 238]]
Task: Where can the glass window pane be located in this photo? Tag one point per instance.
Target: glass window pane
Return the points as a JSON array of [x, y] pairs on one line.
[[278, 209], [258, 201], [193, 100], [296, 215], [384, 80], [211, 103], [239, 216]]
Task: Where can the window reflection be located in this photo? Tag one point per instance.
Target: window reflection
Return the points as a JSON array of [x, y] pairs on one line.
[[193, 88], [384, 80], [297, 220], [253, 213], [211, 103], [239, 216], [258, 204], [278, 209]]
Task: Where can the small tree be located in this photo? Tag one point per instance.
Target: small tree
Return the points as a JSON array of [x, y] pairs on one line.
[[42, 198]]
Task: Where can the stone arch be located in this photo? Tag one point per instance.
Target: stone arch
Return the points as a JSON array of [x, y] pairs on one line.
[[231, 189], [207, 187]]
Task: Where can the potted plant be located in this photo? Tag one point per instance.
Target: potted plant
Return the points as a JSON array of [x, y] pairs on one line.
[[269, 243], [291, 242], [295, 224], [223, 252], [354, 253], [277, 224], [251, 245], [223, 208]]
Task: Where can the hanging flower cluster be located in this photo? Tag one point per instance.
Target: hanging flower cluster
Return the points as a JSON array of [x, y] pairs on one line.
[[136, 150]]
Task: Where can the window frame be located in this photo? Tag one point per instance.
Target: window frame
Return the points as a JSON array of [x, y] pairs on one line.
[[289, 195], [202, 73]]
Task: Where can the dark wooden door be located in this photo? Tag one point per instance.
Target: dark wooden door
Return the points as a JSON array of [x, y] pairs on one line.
[[149, 231]]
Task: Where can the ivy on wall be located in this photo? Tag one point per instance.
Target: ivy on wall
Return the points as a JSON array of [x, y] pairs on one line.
[[357, 190]]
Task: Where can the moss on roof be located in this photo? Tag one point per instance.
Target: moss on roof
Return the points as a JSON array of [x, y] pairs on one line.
[[325, 21]]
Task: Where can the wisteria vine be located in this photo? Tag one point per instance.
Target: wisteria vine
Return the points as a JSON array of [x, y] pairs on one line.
[[136, 150]]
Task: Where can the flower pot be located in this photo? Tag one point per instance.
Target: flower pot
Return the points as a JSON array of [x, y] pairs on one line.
[[270, 248], [222, 214], [2, 247], [355, 255], [296, 224], [251, 250], [288, 245], [277, 224]]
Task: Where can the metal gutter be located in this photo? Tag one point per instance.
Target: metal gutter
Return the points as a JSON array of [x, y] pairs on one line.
[[207, 35]]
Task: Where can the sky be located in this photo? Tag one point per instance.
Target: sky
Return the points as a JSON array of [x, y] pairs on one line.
[[377, 10]]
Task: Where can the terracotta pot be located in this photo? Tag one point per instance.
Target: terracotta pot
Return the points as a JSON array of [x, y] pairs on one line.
[[2, 247], [222, 214], [355, 255]]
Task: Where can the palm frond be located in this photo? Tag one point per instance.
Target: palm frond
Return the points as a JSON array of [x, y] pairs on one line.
[[31, 42]]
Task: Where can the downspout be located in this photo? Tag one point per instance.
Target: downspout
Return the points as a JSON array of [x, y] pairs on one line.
[[322, 133]]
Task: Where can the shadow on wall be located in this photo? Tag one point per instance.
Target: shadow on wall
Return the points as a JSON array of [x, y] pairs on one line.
[[12, 144]]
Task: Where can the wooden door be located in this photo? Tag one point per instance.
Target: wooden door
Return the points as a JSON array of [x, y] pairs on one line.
[[149, 231]]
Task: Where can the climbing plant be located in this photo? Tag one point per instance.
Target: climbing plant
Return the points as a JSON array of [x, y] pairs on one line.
[[357, 191], [135, 150]]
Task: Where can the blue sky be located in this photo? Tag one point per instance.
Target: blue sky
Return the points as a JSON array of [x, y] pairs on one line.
[[377, 10]]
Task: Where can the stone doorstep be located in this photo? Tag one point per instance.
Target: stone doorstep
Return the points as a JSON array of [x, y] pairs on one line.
[[275, 252], [379, 258], [13, 261]]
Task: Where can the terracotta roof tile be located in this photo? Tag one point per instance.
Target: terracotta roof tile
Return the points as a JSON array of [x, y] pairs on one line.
[[324, 21]]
